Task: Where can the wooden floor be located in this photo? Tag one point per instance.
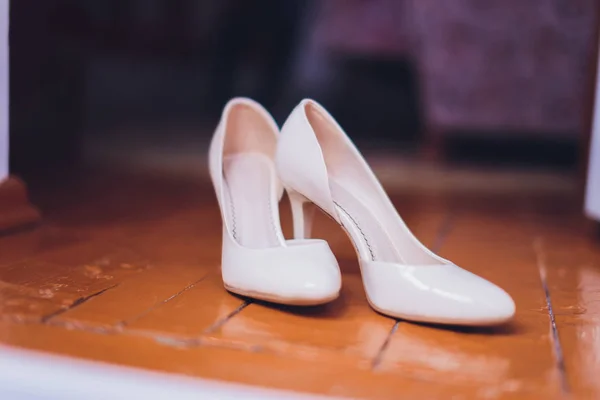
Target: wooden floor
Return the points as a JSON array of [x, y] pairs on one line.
[[125, 269]]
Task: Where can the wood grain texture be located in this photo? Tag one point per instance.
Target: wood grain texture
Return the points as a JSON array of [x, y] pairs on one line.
[[125, 269]]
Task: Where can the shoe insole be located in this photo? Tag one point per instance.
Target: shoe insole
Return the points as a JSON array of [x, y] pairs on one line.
[[250, 194], [369, 237]]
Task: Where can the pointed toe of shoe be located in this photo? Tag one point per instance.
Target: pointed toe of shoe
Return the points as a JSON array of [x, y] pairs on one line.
[[495, 308], [304, 272], [444, 294], [492, 307]]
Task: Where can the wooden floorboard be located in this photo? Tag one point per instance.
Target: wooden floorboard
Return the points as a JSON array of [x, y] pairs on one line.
[[571, 261], [192, 312], [135, 298], [131, 276]]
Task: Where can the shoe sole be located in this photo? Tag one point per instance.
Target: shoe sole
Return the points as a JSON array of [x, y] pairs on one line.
[[289, 301]]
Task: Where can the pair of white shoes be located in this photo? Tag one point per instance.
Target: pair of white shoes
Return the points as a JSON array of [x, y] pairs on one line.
[[252, 163]]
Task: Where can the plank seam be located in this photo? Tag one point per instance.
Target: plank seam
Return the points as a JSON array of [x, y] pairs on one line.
[[379, 356], [76, 303], [124, 323], [224, 320], [538, 247]]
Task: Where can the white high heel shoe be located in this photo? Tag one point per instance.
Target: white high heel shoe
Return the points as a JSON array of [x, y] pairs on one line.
[[257, 261], [319, 164]]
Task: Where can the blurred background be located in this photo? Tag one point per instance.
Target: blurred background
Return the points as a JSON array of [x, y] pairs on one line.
[[469, 85]]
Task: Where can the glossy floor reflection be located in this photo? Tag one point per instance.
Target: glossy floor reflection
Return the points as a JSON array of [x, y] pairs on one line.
[[125, 269]]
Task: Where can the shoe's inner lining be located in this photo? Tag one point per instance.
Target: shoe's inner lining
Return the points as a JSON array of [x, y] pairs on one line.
[[248, 132], [250, 184], [370, 239], [251, 200], [366, 212]]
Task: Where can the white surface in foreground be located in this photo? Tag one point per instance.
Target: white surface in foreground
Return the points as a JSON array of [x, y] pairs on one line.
[[27, 375]]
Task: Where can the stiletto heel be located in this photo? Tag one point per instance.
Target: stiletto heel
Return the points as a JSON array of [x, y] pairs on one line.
[[257, 261], [402, 278], [303, 212]]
